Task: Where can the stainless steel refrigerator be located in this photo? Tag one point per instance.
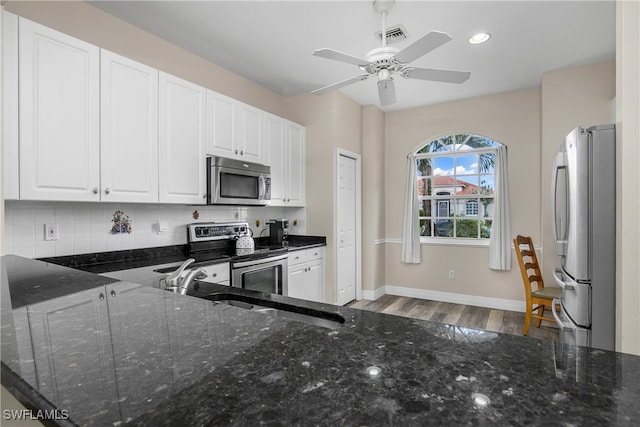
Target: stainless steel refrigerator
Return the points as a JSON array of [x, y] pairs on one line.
[[584, 226]]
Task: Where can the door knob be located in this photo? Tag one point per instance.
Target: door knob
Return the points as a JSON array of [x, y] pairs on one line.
[[95, 190], [107, 190]]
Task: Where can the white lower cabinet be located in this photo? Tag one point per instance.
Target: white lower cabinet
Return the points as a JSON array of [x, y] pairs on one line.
[[306, 274], [123, 379]]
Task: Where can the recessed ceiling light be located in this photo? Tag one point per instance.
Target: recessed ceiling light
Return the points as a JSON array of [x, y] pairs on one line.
[[479, 38], [373, 371]]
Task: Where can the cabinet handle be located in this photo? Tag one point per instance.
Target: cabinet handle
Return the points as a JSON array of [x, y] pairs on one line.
[[95, 190], [242, 152], [107, 190], [113, 293], [236, 151], [101, 297], [214, 275]]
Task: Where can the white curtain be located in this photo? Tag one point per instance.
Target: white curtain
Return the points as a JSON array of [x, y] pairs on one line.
[[500, 242], [410, 221]]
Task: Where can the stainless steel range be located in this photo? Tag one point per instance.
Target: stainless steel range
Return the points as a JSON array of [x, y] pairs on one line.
[[258, 269]]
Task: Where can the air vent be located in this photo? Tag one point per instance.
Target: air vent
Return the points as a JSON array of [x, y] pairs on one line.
[[394, 34]]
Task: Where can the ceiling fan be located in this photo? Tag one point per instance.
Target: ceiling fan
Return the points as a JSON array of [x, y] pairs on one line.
[[386, 61]]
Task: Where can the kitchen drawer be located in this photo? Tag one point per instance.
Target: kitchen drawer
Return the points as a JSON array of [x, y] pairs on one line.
[[305, 255], [218, 273]]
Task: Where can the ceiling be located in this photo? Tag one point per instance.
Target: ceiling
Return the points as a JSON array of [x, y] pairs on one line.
[[271, 42]]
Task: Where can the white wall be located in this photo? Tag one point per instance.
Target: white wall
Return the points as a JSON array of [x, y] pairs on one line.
[[85, 227]]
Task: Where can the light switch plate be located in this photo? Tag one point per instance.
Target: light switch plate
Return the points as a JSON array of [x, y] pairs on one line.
[[163, 226]]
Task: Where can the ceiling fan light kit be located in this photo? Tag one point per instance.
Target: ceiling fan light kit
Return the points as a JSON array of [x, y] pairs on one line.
[[386, 61]]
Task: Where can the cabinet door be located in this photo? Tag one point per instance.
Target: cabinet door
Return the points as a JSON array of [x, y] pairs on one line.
[[64, 331], [129, 130], [59, 115], [249, 141], [10, 159], [141, 350], [182, 134], [306, 281], [273, 134], [220, 125], [295, 165]]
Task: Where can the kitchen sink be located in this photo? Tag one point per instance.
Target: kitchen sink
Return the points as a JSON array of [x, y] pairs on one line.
[[310, 316]]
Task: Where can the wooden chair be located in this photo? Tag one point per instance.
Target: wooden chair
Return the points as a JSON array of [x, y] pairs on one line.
[[537, 295]]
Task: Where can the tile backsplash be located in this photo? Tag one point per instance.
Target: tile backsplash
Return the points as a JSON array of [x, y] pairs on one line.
[[90, 227]]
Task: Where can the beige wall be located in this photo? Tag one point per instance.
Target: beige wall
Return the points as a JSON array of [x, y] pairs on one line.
[[373, 207], [332, 121], [628, 159], [511, 118], [91, 24], [578, 96]]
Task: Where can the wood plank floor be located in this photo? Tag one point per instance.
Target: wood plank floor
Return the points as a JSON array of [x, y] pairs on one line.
[[507, 322]]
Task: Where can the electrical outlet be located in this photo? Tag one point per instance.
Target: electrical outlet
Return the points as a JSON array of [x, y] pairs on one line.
[[452, 274], [257, 223], [51, 232]]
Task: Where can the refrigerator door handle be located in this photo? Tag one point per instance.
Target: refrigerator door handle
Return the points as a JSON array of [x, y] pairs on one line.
[[557, 275], [558, 163], [562, 325]]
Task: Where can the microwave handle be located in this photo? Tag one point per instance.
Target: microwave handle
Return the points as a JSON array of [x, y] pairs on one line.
[[263, 185]]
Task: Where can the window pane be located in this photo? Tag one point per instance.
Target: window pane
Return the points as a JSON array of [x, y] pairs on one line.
[[425, 227], [424, 208], [467, 185], [485, 228], [442, 166], [486, 207], [424, 166], [467, 228], [423, 185], [443, 208], [487, 162], [487, 184], [443, 228], [467, 164]]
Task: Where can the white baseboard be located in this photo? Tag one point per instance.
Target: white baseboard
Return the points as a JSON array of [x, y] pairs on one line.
[[477, 301]]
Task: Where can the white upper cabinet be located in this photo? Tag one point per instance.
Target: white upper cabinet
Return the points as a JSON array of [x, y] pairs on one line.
[[249, 140], [287, 156], [221, 112], [129, 130], [59, 115], [273, 134], [10, 159], [234, 129], [295, 135], [182, 141]]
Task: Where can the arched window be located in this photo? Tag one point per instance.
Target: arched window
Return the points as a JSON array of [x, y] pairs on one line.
[[456, 186]]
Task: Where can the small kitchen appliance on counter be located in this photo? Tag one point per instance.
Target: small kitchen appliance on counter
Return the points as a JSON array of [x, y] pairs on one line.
[[278, 232]]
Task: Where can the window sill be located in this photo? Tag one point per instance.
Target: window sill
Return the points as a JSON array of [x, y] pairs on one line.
[[443, 241]]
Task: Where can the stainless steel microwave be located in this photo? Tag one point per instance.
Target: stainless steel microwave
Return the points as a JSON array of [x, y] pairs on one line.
[[235, 182]]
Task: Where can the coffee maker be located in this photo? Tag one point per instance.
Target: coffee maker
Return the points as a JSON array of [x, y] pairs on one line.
[[278, 232]]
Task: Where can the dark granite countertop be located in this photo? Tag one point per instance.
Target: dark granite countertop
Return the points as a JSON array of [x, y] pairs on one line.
[[104, 262], [121, 354]]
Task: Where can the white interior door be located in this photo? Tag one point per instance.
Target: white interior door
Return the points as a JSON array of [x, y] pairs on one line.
[[346, 259]]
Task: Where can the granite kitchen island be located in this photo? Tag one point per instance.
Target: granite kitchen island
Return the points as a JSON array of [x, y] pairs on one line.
[[106, 352]]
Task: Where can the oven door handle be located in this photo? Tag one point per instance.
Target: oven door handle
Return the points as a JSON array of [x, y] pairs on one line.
[[259, 261]]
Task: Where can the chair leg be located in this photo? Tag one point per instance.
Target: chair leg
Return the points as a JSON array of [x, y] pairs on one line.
[[527, 322], [541, 314]]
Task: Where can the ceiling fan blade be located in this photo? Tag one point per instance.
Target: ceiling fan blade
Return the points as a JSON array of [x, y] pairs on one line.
[[422, 46], [339, 56], [338, 85], [446, 76], [386, 92]]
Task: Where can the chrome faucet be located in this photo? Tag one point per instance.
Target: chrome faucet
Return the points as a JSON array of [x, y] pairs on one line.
[[196, 273], [172, 281]]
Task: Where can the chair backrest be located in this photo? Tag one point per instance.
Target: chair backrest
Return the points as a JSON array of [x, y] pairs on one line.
[[528, 261]]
